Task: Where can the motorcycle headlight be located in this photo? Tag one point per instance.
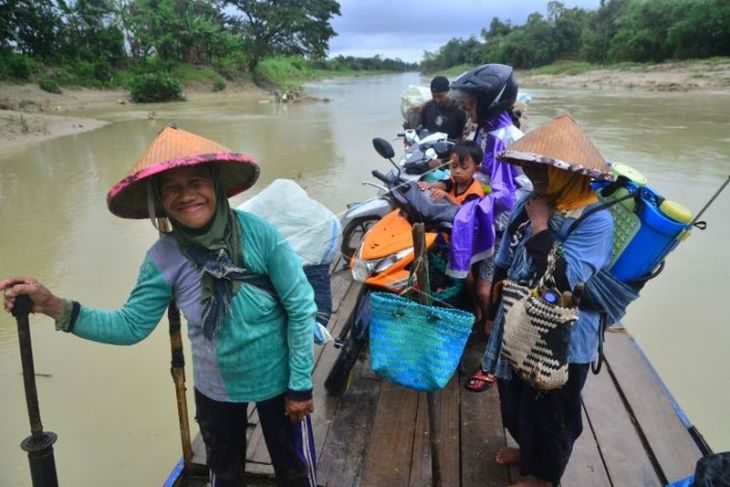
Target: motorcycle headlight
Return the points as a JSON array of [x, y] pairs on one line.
[[365, 268], [362, 269], [388, 262]]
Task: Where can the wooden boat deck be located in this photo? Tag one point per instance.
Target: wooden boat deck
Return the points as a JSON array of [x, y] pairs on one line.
[[376, 433]]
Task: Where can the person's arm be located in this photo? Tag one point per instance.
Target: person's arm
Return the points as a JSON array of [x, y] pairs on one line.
[[134, 321], [297, 297]]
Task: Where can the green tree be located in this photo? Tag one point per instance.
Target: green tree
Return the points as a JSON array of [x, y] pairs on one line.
[[601, 27], [702, 30], [89, 32], [288, 27], [190, 31], [30, 27]]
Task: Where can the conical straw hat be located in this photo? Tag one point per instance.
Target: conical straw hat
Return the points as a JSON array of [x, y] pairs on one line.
[[560, 143], [174, 147]]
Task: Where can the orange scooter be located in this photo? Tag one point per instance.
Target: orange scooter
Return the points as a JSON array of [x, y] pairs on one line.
[[383, 259], [386, 253]]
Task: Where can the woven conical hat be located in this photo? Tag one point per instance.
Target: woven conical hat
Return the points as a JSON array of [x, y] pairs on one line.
[[560, 143], [174, 147]]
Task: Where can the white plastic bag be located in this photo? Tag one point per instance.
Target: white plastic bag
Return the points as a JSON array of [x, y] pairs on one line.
[[411, 101], [311, 229]]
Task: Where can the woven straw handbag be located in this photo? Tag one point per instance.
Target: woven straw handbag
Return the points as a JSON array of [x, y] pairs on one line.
[[536, 332]]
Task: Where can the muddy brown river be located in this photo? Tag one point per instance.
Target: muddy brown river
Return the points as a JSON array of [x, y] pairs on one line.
[[114, 408]]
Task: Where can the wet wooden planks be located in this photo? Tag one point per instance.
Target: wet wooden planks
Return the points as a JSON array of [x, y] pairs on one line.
[[376, 433]]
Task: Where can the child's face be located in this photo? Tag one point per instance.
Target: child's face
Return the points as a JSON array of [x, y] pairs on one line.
[[462, 171]]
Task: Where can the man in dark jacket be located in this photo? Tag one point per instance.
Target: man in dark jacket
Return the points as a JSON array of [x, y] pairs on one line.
[[442, 114]]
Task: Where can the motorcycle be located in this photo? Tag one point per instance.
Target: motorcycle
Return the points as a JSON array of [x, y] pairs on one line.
[[384, 257], [420, 151]]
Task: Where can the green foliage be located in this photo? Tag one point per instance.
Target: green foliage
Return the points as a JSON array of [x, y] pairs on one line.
[[285, 27], [375, 63], [284, 72], [219, 85], [49, 85], [17, 66], [624, 31], [188, 31], [148, 88]]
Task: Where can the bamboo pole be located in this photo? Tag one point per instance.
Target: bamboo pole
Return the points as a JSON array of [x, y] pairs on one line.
[[177, 370], [422, 295]]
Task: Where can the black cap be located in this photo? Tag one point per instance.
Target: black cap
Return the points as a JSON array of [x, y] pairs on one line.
[[439, 84]]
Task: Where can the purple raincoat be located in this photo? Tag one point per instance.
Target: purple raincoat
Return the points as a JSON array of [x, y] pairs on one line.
[[473, 235]]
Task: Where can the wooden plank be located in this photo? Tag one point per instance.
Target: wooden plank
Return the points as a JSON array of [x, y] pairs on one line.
[[447, 415], [626, 460], [585, 468], [340, 284], [391, 439], [482, 433], [325, 405], [342, 455], [421, 456], [673, 448]]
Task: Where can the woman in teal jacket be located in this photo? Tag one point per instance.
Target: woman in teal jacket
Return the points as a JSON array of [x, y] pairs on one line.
[[248, 344]]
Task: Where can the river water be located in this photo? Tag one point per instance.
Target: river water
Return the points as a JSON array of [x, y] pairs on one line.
[[113, 407]]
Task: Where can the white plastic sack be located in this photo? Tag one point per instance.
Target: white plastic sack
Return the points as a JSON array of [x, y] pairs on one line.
[[311, 229], [411, 101]]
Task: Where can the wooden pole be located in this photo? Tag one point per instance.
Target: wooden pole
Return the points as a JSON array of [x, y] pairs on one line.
[[422, 295], [39, 445], [177, 370]]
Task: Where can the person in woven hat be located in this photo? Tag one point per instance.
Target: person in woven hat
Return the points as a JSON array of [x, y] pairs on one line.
[[562, 213], [248, 345], [441, 113]]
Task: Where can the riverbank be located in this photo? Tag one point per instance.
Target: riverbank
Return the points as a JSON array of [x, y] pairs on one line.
[[712, 75], [30, 115]]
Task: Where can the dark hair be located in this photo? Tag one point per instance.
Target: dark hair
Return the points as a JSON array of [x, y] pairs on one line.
[[468, 148], [439, 84]]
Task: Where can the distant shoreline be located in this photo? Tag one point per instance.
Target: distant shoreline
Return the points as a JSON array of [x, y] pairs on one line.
[[30, 115], [698, 75]]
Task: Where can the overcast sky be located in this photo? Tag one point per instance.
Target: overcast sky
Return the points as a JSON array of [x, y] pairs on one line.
[[404, 29]]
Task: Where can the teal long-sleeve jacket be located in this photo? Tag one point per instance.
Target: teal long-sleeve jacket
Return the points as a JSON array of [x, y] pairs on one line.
[[264, 346]]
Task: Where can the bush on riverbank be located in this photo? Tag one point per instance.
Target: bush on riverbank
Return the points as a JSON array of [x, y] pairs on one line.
[[285, 73], [149, 88], [49, 85]]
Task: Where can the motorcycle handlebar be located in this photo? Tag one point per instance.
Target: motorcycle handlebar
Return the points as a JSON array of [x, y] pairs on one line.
[[379, 175]]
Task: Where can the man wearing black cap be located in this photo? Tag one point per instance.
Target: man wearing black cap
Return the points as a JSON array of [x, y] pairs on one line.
[[442, 114]]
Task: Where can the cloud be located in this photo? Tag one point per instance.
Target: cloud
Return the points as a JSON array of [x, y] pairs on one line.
[[405, 29]]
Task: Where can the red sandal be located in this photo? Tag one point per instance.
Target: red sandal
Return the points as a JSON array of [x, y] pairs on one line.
[[481, 381]]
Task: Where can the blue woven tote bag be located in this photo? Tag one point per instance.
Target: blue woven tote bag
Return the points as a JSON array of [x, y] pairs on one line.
[[415, 345]]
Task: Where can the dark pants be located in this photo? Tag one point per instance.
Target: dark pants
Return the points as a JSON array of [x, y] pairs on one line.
[[545, 424], [223, 426]]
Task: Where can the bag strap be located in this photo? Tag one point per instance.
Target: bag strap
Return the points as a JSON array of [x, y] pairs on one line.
[[593, 210]]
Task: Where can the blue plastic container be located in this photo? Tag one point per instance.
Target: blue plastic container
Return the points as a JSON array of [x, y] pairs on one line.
[[657, 236]]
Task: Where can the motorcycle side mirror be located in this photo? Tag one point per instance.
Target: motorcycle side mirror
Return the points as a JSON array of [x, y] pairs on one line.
[[383, 148]]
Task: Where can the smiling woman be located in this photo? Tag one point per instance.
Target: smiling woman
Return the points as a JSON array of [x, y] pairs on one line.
[[248, 346]]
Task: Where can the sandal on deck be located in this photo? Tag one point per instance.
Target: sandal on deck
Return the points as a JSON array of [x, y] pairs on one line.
[[481, 381]]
